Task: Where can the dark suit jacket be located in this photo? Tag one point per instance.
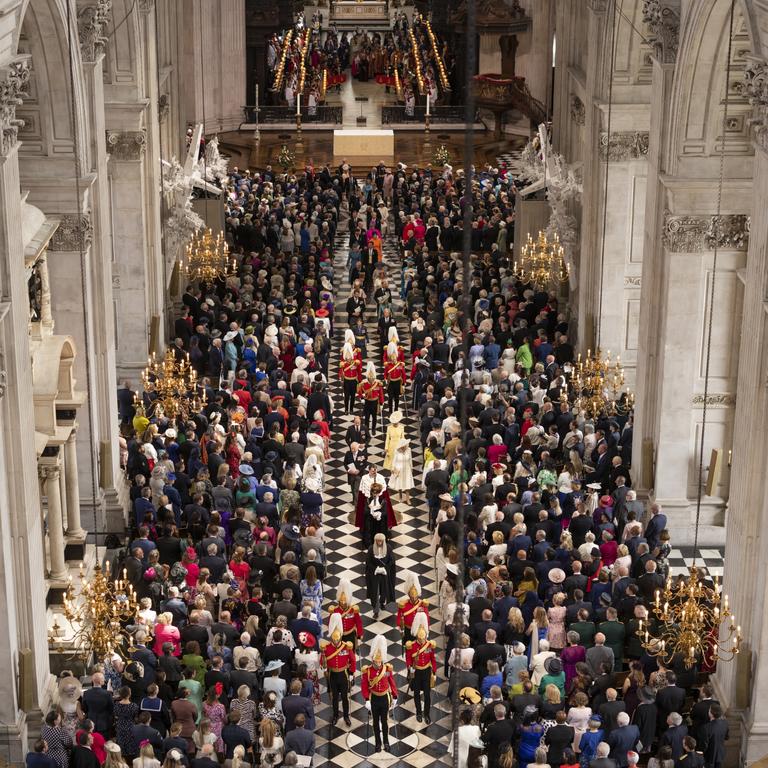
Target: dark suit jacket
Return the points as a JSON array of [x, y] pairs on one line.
[[499, 732], [558, 738], [205, 762], [485, 653], [669, 699], [715, 734], [301, 741], [602, 762], [294, 705], [98, 706], [280, 652], [621, 741], [198, 634], [609, 712], [83, 757], [673, 738], [149, 660]]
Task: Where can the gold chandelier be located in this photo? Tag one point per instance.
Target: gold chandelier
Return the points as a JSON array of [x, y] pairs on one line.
[[597, 386], [542, 263], [98, 614], [692, 622], [207, 258], [174, 384]]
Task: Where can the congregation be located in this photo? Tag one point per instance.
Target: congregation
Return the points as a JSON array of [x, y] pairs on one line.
[[546, 561]]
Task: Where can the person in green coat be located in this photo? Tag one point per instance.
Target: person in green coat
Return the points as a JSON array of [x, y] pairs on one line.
[[524, 356], [614, 632], [554, 676], [584, 628]]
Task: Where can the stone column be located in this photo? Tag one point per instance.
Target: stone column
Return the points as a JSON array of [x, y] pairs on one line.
[[741, 685], [50, 474], [73, 489]]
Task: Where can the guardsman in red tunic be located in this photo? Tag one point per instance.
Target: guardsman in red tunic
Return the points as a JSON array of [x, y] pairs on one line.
[[340, 664], [350, 371], [351, 622], [371, 390], [379, 690], [407, 609], [393, 346], [422, 666], [395, 376]]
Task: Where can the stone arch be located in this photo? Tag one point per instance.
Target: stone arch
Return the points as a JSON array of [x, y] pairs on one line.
[[43, 35], [699, 92]]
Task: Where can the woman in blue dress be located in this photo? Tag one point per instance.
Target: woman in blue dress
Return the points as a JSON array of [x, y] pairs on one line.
[[530, 732], [312, 591]]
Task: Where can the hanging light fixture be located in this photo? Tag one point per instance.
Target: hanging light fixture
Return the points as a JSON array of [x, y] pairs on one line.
[[177, 395], [542, 263], [207, 258], [597, 386], [99, 611]]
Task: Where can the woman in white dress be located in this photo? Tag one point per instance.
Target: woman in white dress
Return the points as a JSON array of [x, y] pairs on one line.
[[401, 479], [468, 734]]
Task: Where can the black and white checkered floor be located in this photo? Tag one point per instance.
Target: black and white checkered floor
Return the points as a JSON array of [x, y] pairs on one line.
[[414, 745]]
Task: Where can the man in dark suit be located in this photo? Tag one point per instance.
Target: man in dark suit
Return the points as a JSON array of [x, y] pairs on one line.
[[98, 705], [241, 676], [144, 656], [622, 739], [656, 525], [143, 731], [305, 623], [714, 736], [194, 631], [478, 604], [295, 704], [436, 483], [279, 652], [670, 698], [558, 738], [649, 582], [83, 755], [125, 403], [300, 739], [490, 650], [528, 698], [479, 629], [498, 733], [609, 712], [602, 760], [463, 678], [700, 712], [674, 735], [355, 460], [226, 629]]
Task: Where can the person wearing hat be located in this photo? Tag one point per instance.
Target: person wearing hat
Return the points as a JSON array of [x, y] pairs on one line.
[[401, 480], [421, 664], [380, 512], [408, 609], [380, 573], [395, 432], [352, 623], [394, 376], [554, 674], [350, 372], [340, 664], [372, 392], [379, 691]]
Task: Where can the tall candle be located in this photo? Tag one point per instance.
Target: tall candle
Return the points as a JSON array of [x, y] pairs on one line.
[[427, 105], [298, 104]]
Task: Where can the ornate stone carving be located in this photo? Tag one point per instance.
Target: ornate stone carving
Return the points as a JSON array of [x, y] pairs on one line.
[[692, 234], [70, 233], [663, 20], [716, 400], [625, 145], [145, 6], [13, 88], [91, 23], [126, 145], [633, 281], [598, 6], [163, 107], [3, 377], [756, 90], [578, 111], [48, 472]]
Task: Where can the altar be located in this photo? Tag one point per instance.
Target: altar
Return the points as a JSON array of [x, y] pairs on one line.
[[359, 12], [364, 145]]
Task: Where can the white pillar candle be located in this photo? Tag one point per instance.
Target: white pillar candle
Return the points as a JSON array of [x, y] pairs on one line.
[[298, 104], [427, 104]]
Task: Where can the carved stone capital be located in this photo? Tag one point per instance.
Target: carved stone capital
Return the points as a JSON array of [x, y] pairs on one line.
[[624, 145], [48, 472], [714, 400], [72, 233], [163, 106], [145, 6], [662, 18], [578, 111], [92, 22], [756, 90], [598, 6], [633, 281], [692, 234], [14, 79], [126, 145]]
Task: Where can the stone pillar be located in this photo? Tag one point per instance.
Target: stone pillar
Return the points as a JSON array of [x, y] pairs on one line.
[[534, 53], [50, 474], [73, 489], [23, 556], [741, 685]]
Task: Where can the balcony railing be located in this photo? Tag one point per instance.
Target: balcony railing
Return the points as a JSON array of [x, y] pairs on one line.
[[437, 115], [267, 115]]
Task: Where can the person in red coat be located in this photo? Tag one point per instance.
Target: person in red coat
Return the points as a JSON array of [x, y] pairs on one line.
[[379, 691], [422, 666]]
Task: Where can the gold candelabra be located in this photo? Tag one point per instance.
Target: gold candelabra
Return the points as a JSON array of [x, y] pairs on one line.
[[416, 61], [692, 622], [174, 384], [597, 386], [438, 58], [207, 258], [98, 612], [542, 263], [281, 66]]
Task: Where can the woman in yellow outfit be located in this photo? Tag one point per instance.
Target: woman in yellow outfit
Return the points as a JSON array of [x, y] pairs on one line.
[[395, 432]]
